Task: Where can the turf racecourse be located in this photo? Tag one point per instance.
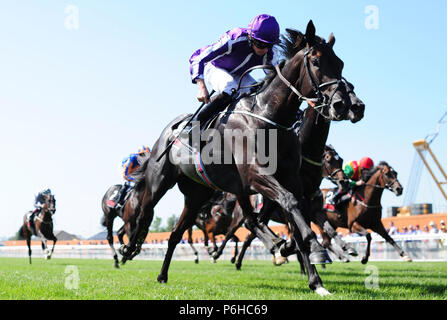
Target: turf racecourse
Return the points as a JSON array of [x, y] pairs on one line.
[[70, 279]]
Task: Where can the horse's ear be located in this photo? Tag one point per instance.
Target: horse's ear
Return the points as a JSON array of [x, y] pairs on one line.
[[310, 33], [331, 40]]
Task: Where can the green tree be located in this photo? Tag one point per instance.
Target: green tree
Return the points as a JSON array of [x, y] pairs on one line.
[[156, 225], [172, 220]]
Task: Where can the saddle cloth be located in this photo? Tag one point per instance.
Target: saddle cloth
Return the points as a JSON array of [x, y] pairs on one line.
[[187, 155]]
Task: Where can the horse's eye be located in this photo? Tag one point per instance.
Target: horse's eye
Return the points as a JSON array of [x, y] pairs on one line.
[[316, 62]]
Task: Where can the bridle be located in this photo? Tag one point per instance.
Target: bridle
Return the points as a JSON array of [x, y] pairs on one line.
[[386, 185], [321, 100]]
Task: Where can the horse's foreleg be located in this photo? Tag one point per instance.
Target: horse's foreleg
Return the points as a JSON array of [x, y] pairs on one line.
[[271, 241], [356, 227], [190, 241], [28, 243], [247, 243], [236, 240], [380, 229], [322, 221], [228, 236], [270, 188]]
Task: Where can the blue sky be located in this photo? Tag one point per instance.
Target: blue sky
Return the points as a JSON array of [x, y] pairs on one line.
[[75, 102]]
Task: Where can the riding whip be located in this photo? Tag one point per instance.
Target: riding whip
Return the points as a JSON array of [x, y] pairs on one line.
[[173, 140]]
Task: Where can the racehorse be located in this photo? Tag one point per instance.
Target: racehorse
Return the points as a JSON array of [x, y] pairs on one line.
[[127, 212], [329, 167], [364, 211], [43, 225], [221, 217], [311, 72]]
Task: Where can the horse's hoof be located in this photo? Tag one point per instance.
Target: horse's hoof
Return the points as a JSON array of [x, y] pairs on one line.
[[320, 257], [407, 258], [322, 292], [196, 261], [278, 259], [364, 261], [238, 266], [352, 252], [117, 266], [123, 250], [162, 279], [233, 260]]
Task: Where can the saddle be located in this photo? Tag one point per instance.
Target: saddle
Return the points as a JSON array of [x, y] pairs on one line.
[[186, 151]]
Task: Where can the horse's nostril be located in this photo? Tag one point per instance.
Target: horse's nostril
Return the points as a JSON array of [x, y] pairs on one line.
[[339, 110]]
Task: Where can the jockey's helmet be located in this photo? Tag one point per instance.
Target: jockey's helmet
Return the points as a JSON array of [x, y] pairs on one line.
[[46, 191], [366, 163], [144, 149], [264, 28]]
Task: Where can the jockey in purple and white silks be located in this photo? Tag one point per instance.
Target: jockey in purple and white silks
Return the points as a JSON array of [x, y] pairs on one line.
[[222, 63]]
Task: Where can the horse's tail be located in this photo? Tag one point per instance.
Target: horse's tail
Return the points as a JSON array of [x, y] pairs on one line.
[[103, 220], [20, 234]]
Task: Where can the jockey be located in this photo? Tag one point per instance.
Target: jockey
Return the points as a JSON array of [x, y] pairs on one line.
[[39, 201], [129, 165], [353, 171], [223, 62]]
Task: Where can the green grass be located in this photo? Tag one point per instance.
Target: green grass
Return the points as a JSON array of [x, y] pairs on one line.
[[260, 280]]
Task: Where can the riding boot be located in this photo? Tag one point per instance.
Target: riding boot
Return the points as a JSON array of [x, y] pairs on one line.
[[32, 224], [121, 195], [216, 105]]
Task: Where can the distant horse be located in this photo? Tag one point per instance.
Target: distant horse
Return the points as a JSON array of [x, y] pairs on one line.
[[364, 211], [43, 225], [227, 222], [213, 219], [127, 212], [312, 72]]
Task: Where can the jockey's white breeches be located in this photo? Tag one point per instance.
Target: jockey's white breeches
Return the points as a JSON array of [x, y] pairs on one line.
[[222, 81]]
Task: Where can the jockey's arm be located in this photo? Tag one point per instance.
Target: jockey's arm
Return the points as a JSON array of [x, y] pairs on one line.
[[202, 94]]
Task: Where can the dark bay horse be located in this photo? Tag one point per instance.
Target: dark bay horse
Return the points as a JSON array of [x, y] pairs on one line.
[[364, 211], [311, 72], [128, 212], [221, 218], [205, 214], [330, 167], [44, 227]]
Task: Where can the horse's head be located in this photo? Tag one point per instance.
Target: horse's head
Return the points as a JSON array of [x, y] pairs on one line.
[[319, 75], [50, 203], [332, 167], [357, 109], [388, 178]]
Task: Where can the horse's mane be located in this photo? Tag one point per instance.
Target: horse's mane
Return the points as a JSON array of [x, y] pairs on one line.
[[293, 41], [367, 174], [383, 163], [290, 44]]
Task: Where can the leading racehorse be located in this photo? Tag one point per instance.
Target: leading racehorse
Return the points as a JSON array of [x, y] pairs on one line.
[[43, 225], [312, 72]]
